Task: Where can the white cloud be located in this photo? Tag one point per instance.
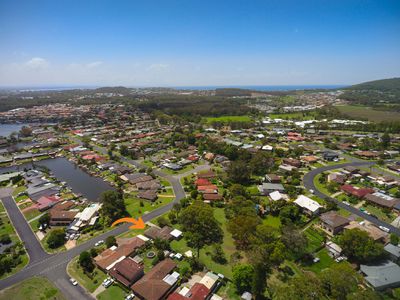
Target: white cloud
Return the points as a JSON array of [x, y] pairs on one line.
[[37, 63], [158, 67], [94, 64]]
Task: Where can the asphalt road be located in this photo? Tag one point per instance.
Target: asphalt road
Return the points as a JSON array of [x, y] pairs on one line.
[[54, 266], [308, 182]]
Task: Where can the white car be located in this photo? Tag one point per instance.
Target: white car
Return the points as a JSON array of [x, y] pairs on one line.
[[73, 281], [346, 203], [99, 243], [385, 229], [312, 191], [130, 296]]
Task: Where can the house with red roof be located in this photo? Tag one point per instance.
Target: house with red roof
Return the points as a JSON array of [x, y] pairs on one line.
[[197, 292], [46, 202], [356, 191]]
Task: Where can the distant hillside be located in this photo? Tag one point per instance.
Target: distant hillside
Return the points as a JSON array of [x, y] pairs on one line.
[[384, 93], [379, 85]]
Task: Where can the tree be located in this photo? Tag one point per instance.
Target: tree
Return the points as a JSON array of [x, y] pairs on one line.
[[44, 219], [266, 252], [364, 295], [25, 131], [200, 225], [261, 163], [290, 214], [113, 206], [358, 245], [242, 276], [394, 239], [111, 241], [294, 240], [305, 287], [385, 140], [123, 150], [239, 172], [218, 254], [5, 239], [56, 238], [242, 228], [339, 281], [85, 261]]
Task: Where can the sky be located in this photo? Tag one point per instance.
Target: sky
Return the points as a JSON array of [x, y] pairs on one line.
[[198, 43]]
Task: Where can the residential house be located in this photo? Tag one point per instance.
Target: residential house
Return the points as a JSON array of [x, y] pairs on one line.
[[374, 232], [273, 178], [332, 222], [107, 259], [308, 205], [382, 200], [158, 282], [162, 233], [382, 276], [197, 292], [127, 271], [267, 188], [393, 251], [356, 191], [333, 249], [330, 156], [292, 162]]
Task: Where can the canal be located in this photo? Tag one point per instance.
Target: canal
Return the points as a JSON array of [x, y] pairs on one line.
[[80, 182]]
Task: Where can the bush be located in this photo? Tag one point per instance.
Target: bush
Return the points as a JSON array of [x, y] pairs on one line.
[[5, 239], [111, 241], [56, 238]]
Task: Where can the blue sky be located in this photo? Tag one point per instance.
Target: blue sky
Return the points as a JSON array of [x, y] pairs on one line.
[[177, 43]]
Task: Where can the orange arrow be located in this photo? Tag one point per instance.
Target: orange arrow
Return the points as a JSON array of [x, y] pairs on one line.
[[137, 224]]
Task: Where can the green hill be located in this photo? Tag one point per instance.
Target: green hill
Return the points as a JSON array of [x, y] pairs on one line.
[[384, 93], [378, 85]]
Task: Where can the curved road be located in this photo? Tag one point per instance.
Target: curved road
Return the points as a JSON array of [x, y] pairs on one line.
[[54, 266], [308, 182]]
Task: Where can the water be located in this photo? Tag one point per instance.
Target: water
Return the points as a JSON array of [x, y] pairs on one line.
[[81, 182], [264, 87], [7, 129]]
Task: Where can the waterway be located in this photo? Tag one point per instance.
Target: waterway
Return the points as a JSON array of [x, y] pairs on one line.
[[64, 170]]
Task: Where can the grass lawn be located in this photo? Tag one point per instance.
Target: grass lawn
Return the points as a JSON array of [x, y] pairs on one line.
[[29, 215], [321, 187], [112, 293], [226, 119], [34, 288], [46, 247], [227, 245], [91, 284], [365, 112], [135, 209], [272, 221], [315, 239], [18, 190], [228, 291], [7, 228], [294, 116], [325, 261], [379, 213]]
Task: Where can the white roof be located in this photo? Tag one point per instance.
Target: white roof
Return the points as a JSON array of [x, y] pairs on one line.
[[307, 203], [189, 253], [275, 195], [117, 261], [89, 212], [216, 297], [143, 238], [209, 280], [176, 233], [184, 291]]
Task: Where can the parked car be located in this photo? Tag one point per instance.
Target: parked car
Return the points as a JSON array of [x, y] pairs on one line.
[[73, 281], [384, 228], [99, 243], [130, 296]]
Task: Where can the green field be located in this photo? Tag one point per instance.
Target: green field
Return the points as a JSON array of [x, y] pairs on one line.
[[112, 293], [369, 113], [294, 116], [226, 119], [32, 289], [90, 284]]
